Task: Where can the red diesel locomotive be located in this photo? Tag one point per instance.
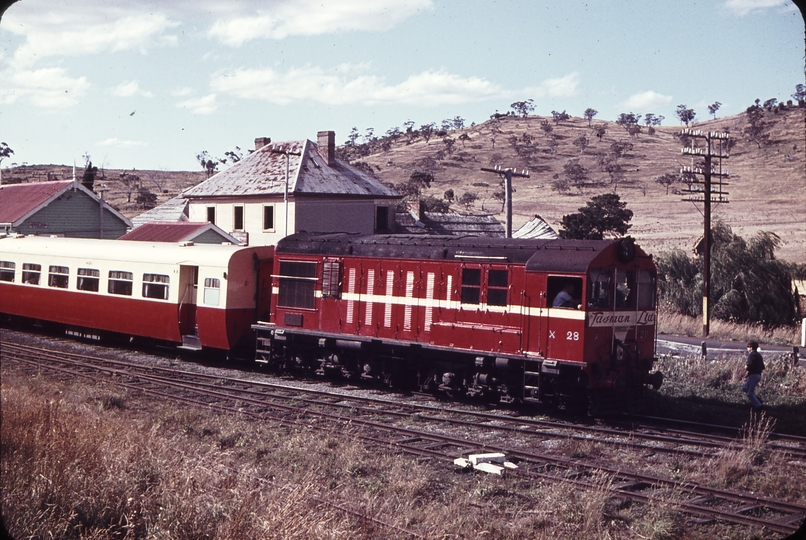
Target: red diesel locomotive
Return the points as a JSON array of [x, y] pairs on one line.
[[554, 321]]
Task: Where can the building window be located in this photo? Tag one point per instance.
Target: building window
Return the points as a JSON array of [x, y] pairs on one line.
[[268, 218], [58, 276], [237, 218], [88, 279], [211, 214], [331, 272], [30, 273], [7, 270], [297, 284], [212, 291], [120, 282], [471, 285], [381, 218], [497, 286], [155, 286]]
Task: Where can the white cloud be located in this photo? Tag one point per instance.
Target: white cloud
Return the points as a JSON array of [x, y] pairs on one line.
[[561, 87], [313, 17], [51, 29], [131, 88], [49, 88], [345, 86], [204, 105], [117, 143], [743, 7], [181, 92], [647, 101]]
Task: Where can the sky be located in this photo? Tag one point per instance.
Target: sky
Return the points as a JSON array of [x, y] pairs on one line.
[[151, 84]]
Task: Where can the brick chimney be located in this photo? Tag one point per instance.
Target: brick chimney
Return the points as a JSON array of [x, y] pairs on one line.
[[326, 141], [260, 142], [415, 208]]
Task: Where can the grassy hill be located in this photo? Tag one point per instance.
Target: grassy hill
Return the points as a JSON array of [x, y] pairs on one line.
[[766, 191]]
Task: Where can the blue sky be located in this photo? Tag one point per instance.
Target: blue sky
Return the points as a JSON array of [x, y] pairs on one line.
[[150, 84]]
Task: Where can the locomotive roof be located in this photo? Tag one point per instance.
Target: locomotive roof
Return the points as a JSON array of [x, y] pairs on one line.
[[559, 255], [118, 250]]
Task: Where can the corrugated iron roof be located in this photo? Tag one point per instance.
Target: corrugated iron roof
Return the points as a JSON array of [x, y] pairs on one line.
[[19, 200], [174, 232], [536, 228], [173, 210], [264, 173], [450, 223]]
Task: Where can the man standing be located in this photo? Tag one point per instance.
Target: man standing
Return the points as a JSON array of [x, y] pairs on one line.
[[755, 365]]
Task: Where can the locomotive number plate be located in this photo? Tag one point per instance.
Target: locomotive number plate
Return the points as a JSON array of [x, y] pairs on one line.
[[553, 370]]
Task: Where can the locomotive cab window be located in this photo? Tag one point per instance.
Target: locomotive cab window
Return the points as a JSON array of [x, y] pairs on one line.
[[471, 285], [58, 276], [30, 273], [155, 286], [497, 286], [564, 291], [7, 270], [645, 286], [212, 291], [599, 289], [120, 282], [625, 289], [88, 279], [297, 284]]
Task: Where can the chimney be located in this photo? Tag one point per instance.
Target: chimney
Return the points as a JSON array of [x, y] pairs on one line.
[[326, 141], [415, 208], [260, 142]]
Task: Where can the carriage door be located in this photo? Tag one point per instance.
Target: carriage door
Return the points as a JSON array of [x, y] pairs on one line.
[[263, 308], [188, 284]]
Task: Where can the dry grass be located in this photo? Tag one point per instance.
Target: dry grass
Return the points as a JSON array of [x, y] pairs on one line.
[[677, 324], [79, 461]]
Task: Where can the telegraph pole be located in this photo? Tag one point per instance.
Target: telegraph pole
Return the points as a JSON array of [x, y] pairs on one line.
[[287, 153], [507, 174], [706, 191]]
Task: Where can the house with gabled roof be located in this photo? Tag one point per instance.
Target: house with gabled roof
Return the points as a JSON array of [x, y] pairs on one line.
[[61, 208], [286, 187], [180, 232]]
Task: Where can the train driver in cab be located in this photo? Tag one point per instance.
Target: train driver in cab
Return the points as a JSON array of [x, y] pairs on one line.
[[566, 298]]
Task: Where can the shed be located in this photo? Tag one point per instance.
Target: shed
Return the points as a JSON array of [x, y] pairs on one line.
[[184, 231], [62, 208]]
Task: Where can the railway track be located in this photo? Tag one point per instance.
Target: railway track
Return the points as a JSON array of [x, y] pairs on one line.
[[387, 424]]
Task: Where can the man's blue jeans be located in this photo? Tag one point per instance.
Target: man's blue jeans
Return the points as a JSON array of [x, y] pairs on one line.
[[749, 388]]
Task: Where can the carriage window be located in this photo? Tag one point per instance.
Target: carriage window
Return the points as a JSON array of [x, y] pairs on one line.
[[120, 282], [212, 291], [471, 285], [599, 289], [625, 289], [7, 270], [30, 273], [646, 290], [331, 270], [497, 283], [564, 291], [297, 284], [155, 286], [58, 276], [88, 279]]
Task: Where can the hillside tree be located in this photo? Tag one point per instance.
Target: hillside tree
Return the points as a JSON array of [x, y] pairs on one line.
[[560, 116], [5, 151], [756, 128], [589, 114], [799, 95], [523, 108], [685, 114], [713, 107], [467, 199], [601, 216]]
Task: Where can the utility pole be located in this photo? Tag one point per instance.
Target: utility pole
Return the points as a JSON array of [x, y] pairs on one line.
[[287, 153], [706, 191], [507, 174]]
